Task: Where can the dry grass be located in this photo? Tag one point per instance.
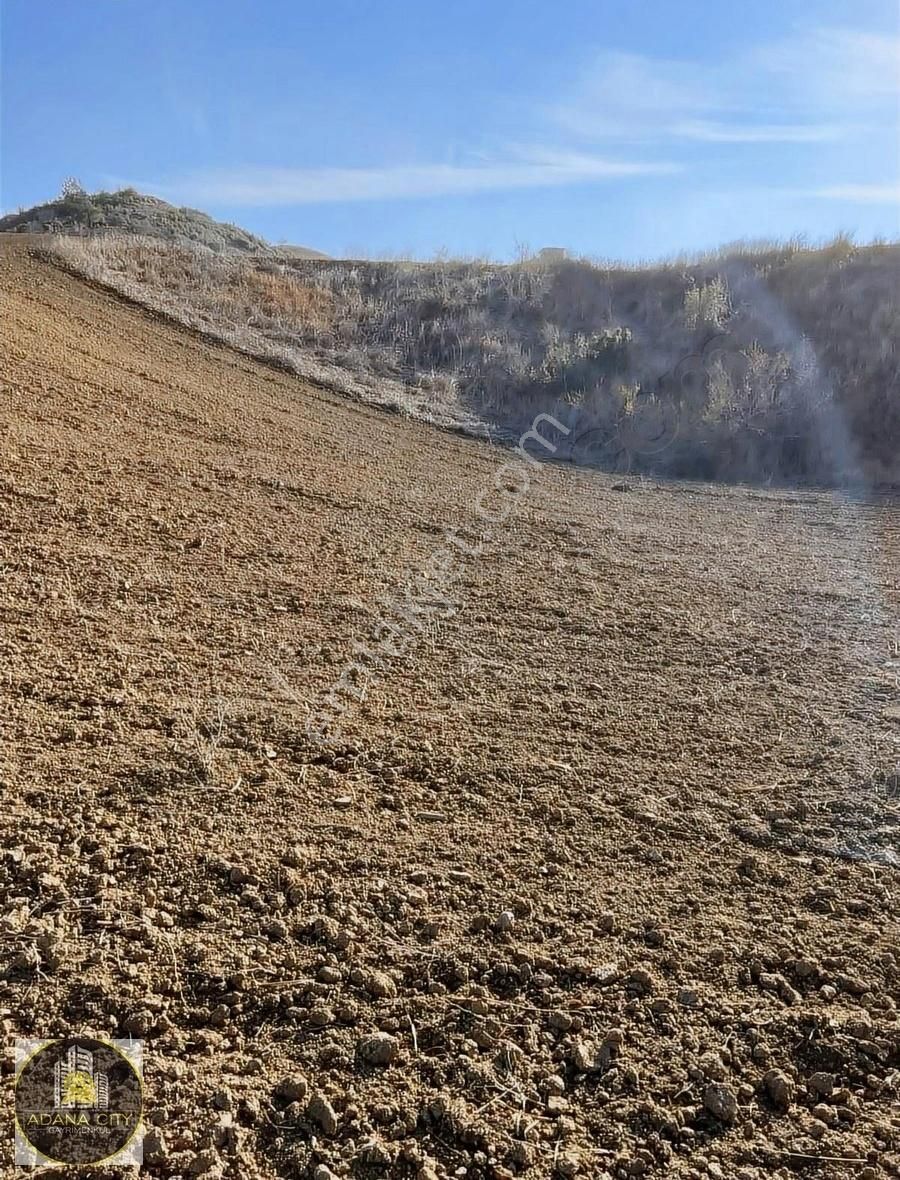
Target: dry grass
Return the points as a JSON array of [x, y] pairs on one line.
[[769, 362], [253, 305]]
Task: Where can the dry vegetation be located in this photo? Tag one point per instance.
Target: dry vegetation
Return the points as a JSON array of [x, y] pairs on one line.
[[75, 211], [778, 363]]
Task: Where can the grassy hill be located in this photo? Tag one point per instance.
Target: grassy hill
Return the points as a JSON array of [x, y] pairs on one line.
[[777, 363], [127, 211]]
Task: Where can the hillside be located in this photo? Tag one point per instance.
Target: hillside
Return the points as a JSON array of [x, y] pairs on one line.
[[778, 364], [127, 212], [598, 875]]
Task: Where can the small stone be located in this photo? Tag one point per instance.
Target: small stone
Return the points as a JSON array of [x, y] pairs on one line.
[[378, 1049], [329, 975], [561, 1021], [853, 985], [155, 1148], [203, 1162], [788, 994], [376, 1154], [505, 921], [721, 1102], [821, 1084], [293, 1087], [713, 1067], [320, 1111], [584, 1057], [805, 969], [568, 1165], [640, 980], [380, 984], [779, 1088], [139, 1024]]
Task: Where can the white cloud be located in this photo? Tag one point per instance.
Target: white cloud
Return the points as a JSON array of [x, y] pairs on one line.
[[627, 94], [821, 85], [807, 88], [866, 194], [709, 131], [833, 68], [300, 186]]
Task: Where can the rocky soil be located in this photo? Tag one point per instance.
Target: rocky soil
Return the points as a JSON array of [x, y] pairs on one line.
[[601, 880]]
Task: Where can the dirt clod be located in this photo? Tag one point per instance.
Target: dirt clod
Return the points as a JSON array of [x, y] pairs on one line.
[[378, 1049]]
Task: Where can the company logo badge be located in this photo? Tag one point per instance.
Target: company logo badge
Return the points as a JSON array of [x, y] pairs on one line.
[[78, 1101]]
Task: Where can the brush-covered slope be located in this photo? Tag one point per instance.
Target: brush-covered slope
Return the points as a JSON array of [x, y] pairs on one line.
[[127, 211], [754, 364]]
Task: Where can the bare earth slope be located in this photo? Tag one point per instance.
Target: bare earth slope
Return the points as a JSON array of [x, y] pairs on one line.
[[607, 847]]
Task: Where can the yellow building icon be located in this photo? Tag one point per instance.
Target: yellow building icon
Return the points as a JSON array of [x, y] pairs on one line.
[[79, 1089]]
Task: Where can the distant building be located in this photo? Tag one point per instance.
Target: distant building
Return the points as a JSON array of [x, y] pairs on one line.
[[553, 254]]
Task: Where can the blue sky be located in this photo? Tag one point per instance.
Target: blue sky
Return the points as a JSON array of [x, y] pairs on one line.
[[614, 128]]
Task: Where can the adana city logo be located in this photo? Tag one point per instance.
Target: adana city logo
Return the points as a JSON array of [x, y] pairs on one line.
[[78, 1102]]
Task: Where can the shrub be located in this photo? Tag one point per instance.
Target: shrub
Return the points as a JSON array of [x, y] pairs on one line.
[[756, 357]]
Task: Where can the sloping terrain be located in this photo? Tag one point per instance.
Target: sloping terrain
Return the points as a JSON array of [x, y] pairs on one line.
[[129, 212], [778, 364], [600, 880]]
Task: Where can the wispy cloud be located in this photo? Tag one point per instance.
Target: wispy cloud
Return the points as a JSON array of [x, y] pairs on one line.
[[302, 186], [629, 115], [807, 88], [708, 131], [832, 69], [864, 194], [631, 96]]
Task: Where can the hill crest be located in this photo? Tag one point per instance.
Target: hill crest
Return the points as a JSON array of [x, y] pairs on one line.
[[128, 211]]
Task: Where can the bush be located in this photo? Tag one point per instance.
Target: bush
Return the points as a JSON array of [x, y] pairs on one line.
[[772, 365]]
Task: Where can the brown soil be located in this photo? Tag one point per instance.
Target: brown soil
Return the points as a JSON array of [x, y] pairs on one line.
[[604, 849]]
